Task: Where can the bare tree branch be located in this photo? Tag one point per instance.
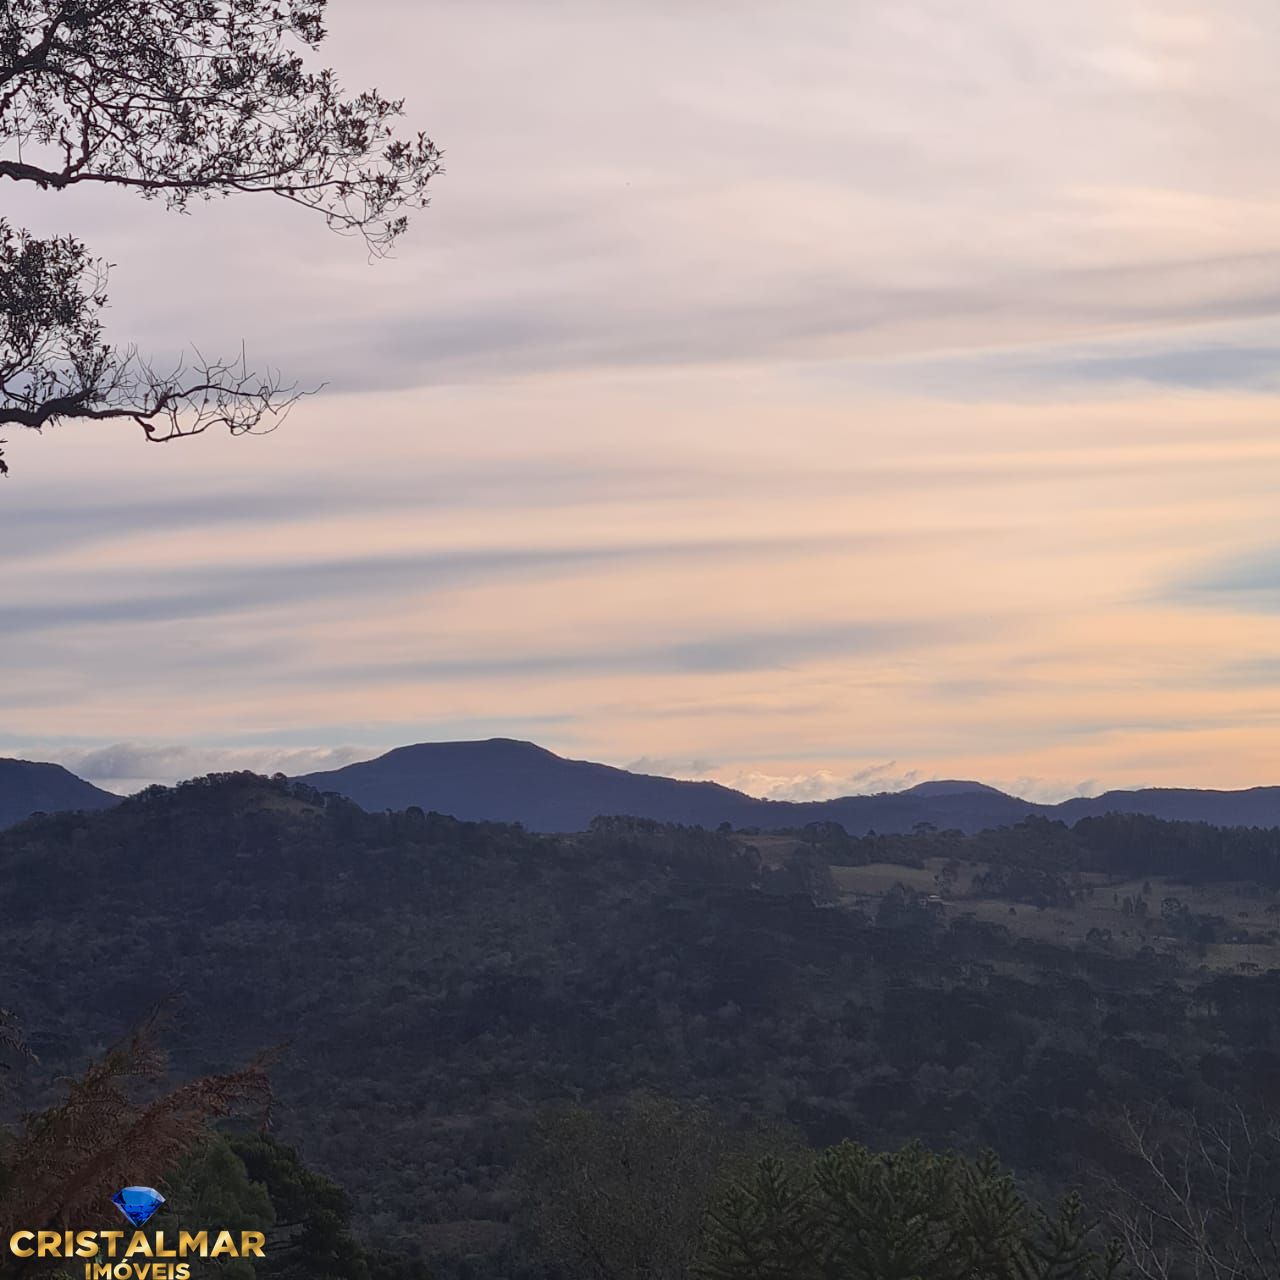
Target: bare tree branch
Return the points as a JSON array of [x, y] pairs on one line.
[[1200, 1200], [177, 100]]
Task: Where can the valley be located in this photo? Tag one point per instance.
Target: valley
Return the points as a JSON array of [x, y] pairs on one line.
[[434, 986]]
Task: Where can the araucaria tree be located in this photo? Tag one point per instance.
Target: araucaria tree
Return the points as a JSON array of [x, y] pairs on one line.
[[849, 1213], [177, 100]]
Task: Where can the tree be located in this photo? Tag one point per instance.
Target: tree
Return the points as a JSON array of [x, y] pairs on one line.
[[1199, 1196], [852, 1214], [176, 100], [12, 1045], [114, 1127], [118, 1125], [251, 1182], [620, 1195], [212, 1188]]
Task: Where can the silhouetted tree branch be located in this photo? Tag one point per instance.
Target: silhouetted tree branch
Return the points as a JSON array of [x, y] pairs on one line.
[[177, 100]]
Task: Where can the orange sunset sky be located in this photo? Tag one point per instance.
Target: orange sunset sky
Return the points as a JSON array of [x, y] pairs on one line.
[[817, 397]]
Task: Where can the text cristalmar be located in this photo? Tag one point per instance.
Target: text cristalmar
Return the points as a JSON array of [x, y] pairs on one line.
[[123, 1255]]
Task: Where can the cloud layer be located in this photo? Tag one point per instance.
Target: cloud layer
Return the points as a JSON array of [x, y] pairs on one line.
[[798, 389]]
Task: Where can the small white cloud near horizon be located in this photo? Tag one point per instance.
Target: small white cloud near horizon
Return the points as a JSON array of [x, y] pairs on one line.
[[127, 767], [821, 784], [826, 784]]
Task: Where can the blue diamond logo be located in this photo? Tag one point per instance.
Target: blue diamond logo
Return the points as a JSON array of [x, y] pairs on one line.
[[137, 1203]]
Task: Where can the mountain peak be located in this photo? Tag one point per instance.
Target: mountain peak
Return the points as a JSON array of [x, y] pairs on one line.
[[476, 751], [951, 787]]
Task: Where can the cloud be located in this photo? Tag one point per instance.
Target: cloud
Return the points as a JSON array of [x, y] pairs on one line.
[[725, 652], [812, 412], [1233, 367], [1248, 673], [1211, 363], [869, 182], [872, 779], [225, 589], [120, 765], [666, 767], [70, 513], [1248, 581], [821, 784], [1049, 790]]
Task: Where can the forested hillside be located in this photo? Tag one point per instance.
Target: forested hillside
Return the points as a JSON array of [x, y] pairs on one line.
[[436, 983]]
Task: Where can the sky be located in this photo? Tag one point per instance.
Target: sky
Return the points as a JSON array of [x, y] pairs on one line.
[[818, 397]]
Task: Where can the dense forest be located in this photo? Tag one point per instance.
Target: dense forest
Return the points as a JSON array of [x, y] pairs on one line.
[[437, 989]]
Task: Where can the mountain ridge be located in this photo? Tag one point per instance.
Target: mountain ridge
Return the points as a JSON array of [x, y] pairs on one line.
[[35, 786], [507, 780], [511, 780]]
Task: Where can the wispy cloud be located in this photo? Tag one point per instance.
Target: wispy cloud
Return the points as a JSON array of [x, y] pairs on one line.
[[728, 651], [122, 766], [1247, 581], [857, 403]]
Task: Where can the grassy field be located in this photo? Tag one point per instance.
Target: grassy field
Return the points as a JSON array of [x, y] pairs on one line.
[[1102, 910], [877, 878]]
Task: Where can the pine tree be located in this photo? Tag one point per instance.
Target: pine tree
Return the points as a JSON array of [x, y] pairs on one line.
[[853, 1214]]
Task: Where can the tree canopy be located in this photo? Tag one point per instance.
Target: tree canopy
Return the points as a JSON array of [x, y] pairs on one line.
[[177, 100], [852, 1213]]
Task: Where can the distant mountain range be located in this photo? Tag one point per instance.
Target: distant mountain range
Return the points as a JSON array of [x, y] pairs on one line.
[[28, 787], [503, 780], [508, 781]]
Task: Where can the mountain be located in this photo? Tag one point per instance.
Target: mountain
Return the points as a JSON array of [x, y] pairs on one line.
[[27, 787], [1254, 807], [503, 780], [894, 812], [950, 787]]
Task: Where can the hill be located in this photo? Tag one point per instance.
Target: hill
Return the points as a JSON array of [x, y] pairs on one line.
[[27, 787], [438, 981]]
